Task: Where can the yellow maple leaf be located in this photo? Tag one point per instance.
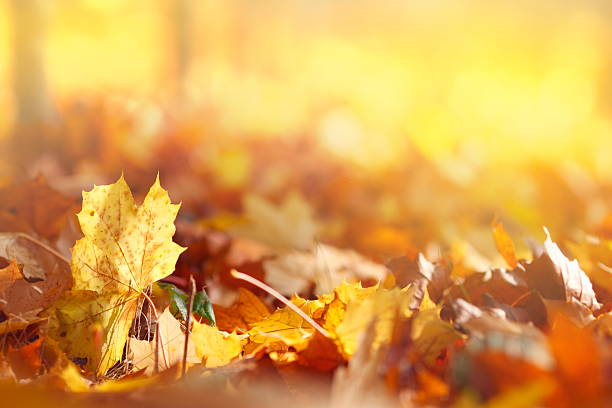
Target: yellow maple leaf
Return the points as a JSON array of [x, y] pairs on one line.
[[214, 347], [125, 249], [430, 333], [286, 326]]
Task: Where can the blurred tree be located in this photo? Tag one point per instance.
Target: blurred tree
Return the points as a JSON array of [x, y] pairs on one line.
[[33, 107], [182, 47]]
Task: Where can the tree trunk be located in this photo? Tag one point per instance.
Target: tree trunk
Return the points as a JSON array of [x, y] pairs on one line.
[[33, 108]]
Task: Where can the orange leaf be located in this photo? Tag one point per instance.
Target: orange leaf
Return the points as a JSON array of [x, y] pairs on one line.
[[25, 361], [504, 243], [248, 309]]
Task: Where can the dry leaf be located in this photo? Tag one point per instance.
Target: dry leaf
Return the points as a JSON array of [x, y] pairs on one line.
[[215, 348], [504, 243], [248, 309], [285, 227], [171, 347], [384, 306], [34, 208], [20, 321], [359, 384], [430, 334], [325, 267], [33, 278], [558, 278], [125, 249], [287, 327], [26, 361]]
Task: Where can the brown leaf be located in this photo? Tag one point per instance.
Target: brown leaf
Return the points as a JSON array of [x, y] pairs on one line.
[[558, 278], [423, 274], [34, 277], [34, 208], [503, 285]]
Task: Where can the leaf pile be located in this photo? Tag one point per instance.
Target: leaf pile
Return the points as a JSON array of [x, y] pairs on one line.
[[118, 315]]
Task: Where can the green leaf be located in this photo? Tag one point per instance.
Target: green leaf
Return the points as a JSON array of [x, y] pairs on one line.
[[203, 307], [179, 301]]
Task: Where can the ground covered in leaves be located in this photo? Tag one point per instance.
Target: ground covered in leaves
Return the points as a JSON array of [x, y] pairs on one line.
[[288, 277]]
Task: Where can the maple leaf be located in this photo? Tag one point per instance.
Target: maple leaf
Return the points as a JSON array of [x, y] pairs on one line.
[[430, 334], [213, 347], [172, 345], [556, 277], [248, 309], [125, 249], [286, 326], [288, 226]]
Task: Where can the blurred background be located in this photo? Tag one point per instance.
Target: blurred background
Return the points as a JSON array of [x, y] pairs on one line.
[[403, 124]]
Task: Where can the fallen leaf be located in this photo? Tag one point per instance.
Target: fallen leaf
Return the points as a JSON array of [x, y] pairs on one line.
[[502, 285], [33, 278], [325, 267], [125, 249], [288, 226], [213, 347], [384, 306], [558, 278], [425, 276], [576, 312], [581, 371], [171, 347], [359, 383], [248, 309], [602, 326], [285, 326], [34, 208], [504, 243], [20, 321], [431, 335], [26, 361], [320, 354]]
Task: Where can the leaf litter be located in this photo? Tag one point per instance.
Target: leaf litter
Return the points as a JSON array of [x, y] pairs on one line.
[[297, 314]]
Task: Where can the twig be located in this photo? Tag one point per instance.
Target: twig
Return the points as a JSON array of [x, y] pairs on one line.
[[192, 287], [276, 294]]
